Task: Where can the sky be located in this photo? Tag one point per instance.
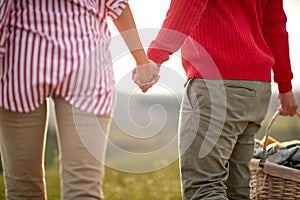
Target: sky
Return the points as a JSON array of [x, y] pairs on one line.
[[149, 16]]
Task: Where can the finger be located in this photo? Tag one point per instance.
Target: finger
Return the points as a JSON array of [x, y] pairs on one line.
[[156, 78], [150, 82], [285, 111], [282, 111], [145, 87], [138, 82], [145, 90], [133, 74], [136, 79]]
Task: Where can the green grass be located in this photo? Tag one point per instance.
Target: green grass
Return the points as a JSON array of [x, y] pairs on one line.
[[1, 188], [52, 179], [162, 184]]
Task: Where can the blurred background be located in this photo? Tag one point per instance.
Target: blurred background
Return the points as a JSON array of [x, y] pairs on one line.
[[142, 153]]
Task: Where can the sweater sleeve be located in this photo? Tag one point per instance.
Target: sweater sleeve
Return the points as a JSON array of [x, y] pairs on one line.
[[180, 21], [276, 36]]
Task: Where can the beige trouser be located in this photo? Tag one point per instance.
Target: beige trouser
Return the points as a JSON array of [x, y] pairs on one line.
[[82, 146], [217, 126]]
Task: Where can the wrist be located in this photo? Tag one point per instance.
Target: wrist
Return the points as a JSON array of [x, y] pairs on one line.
[[140, 57], [141, 62]]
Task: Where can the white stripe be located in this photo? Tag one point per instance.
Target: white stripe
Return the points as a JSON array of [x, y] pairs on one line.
[[28, 83], [68, 42], [21, 57], [61, 56], [42, 78], [3, 86]]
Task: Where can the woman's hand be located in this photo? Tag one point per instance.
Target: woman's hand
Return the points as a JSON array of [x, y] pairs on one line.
[[146, 75]]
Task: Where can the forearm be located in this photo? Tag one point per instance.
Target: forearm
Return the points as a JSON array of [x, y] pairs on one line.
[[126, 26]]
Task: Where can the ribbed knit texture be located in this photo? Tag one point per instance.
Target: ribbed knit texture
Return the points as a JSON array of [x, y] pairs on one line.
[[228, 39]]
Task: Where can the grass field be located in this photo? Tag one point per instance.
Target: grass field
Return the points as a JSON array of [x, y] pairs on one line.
[[160, 185]]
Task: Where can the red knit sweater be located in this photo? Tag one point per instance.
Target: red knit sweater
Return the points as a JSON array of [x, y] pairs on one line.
[[228, 39]]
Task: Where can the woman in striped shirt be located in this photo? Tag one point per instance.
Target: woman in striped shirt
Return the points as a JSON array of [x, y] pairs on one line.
[[59, 49]]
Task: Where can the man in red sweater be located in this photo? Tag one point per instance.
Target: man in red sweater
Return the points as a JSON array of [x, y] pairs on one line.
[[228, 50]]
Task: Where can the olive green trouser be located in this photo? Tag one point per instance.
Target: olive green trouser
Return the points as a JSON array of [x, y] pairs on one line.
[[217, 125], [82, 144]]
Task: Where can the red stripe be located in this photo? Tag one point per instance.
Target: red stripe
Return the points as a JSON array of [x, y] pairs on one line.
[[32, 61], [5, 10], [98, 70], [84, 57], [52, 50], [5, 73], [106, 76], [27, 90], [112, 3], [108, 100], [58, 49], [24, 64], [46, 52], [94, 35], [13, 65], [103, 96], [106, 31], [87, 95], [90, 103], [38, 59], [113, 13], [79, 67], [95, 83], [6, 77], [60, 87], [2, 85], [71, 47]]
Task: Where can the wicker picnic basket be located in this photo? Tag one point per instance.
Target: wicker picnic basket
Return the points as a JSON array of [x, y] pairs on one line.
[[272, 181]]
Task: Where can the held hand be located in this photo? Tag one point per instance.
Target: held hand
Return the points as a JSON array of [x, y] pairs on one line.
[[288, 104], [145, 76]]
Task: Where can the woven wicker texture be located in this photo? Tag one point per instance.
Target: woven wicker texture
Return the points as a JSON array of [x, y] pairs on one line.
[[270, 181], [274, 182], [264, 186]]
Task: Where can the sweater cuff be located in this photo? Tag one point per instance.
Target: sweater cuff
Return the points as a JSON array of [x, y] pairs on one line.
[[285, 87], [157, 55]]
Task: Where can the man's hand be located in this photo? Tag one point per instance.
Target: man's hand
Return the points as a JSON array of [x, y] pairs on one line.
[[146, 75], [288, 104]]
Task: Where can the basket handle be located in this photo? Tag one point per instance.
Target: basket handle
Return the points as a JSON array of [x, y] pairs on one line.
[[268, 130]]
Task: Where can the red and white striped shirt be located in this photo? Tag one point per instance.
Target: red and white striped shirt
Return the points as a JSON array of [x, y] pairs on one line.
[[58, 48]]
